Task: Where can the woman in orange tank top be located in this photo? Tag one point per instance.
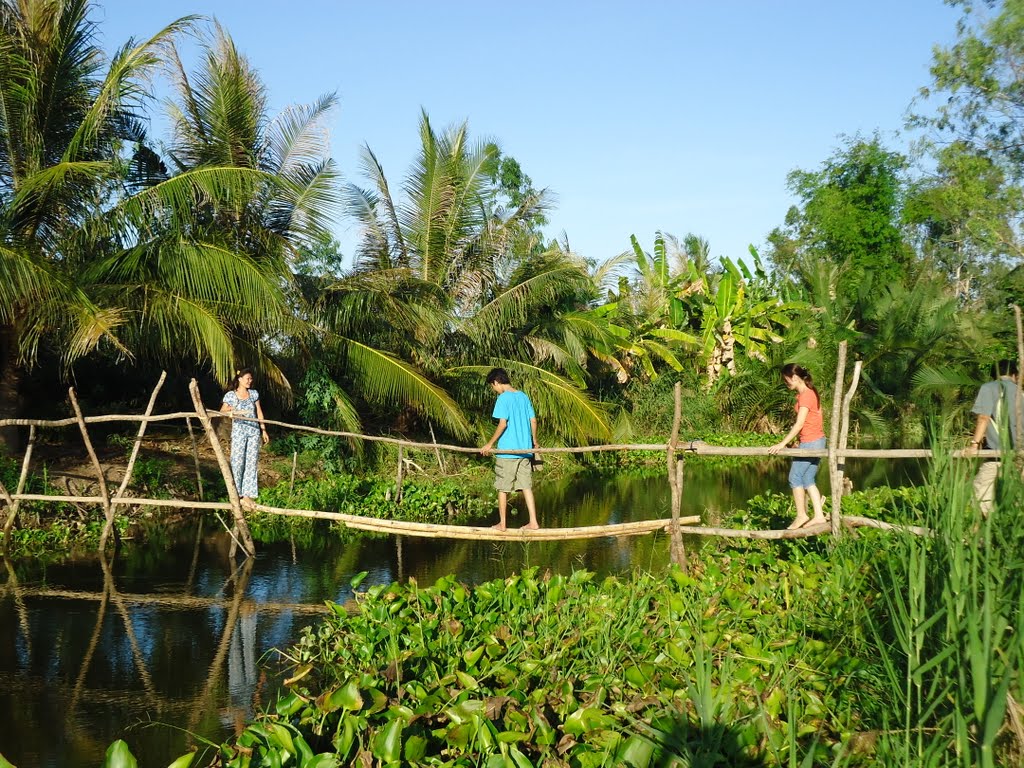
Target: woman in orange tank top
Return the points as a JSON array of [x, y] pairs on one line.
[[810, 426]]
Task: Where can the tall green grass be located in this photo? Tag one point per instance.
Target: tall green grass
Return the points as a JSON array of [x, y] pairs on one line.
[[949, 627]]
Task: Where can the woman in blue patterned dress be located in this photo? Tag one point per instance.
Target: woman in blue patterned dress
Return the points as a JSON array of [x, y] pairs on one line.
[[246, 435]]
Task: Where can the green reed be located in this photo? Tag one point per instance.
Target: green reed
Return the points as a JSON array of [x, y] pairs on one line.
[[949, 626]]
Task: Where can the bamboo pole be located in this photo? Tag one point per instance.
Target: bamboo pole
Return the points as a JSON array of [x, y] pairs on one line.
[[1019, 416], [398, 478], [804, 532], [291, 483], [138, 438], [15, 503], [108, 510], [684, 561], [195, 457], [225, 469], [126, 501], [437, 450], [833, 457], [844, 429], [476, 533], [678, 554]]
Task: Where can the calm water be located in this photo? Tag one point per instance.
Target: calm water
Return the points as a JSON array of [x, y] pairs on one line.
[[173, 637]]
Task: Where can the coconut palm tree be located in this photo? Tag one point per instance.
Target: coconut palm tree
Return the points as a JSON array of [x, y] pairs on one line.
[[453, 294], [67, 118], [208, 247]]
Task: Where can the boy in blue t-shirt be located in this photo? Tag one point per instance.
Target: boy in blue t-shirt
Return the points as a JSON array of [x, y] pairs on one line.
[[517, 429]]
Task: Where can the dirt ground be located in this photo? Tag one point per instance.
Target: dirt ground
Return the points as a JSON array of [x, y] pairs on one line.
[[165, 467]]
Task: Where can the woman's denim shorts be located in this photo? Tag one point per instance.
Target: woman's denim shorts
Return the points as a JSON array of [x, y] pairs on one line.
[[805, 468]]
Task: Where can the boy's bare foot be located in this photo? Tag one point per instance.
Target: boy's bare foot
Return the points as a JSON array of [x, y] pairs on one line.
[[815, 521], [247, 503], [531, 527], [498, 526], [798, 523]]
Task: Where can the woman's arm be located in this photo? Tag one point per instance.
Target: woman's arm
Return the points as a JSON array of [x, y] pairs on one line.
[[801, 417], [263, 427]]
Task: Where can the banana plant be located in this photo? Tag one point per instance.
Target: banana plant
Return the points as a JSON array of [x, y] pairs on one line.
[[730, 319]]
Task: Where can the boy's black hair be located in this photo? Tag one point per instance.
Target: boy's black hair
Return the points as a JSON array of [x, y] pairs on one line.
[[498, 375], [1006, 367]]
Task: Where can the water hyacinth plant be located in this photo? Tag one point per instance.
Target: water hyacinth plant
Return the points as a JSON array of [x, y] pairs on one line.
[[884, 648], [534, 670]]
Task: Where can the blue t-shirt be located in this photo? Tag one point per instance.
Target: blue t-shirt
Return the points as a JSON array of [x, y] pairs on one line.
[[517, 410]]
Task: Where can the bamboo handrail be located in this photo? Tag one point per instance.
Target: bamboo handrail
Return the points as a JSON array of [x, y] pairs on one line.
[[672, 448]]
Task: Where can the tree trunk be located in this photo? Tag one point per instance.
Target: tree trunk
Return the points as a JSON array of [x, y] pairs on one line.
[[728, 348], [10, 390], [714, 367]]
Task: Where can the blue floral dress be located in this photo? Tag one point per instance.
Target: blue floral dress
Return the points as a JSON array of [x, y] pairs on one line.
[[245, 443]]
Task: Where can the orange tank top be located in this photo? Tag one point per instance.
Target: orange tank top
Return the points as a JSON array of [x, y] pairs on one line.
[[814, 424]]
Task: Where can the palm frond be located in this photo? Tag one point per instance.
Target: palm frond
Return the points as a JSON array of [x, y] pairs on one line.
[[384, 378], [563, 409], [123, 86]]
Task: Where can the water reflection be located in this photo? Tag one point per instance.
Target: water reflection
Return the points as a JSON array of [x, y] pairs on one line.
[[174, 632]]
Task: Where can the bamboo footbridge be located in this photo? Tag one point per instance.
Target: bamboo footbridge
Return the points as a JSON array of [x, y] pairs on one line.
[[675, 451]]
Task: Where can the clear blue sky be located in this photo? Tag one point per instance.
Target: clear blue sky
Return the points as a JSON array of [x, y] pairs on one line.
[[680, 116]]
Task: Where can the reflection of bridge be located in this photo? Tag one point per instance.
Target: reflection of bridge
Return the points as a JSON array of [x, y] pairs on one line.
[[171, 602], [237, 608], [674, 526]]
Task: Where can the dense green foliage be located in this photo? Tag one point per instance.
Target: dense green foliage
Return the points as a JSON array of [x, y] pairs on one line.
[[883, 649], [217, 254]]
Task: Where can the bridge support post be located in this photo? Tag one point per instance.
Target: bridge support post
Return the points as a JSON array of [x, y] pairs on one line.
[[675, 484], [225, 469]]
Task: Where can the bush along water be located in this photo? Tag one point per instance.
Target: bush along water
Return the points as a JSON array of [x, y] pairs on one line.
[[882, 648], [568, 670]]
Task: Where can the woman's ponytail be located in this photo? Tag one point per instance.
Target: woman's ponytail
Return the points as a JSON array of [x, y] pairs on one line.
[[792, 369]]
